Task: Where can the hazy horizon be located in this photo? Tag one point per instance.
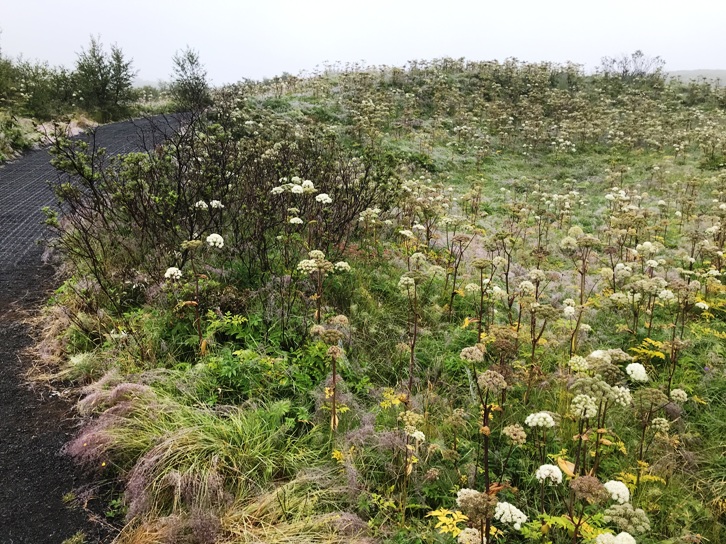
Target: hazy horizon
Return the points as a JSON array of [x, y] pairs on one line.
[[242, 39]]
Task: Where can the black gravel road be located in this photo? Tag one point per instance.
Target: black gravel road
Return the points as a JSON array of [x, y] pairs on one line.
[[34, 424]]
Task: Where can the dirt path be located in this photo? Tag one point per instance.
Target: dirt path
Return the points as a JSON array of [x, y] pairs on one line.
[[34, 424]]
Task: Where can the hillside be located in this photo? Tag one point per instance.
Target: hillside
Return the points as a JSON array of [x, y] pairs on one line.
[[435, 303]]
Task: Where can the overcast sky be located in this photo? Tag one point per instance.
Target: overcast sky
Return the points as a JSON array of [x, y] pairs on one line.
[[253, 39]]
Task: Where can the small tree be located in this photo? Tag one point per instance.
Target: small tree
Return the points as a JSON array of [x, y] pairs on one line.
[[103, 82], [635, 66], [7, 80], [121, 80], [189, 88]]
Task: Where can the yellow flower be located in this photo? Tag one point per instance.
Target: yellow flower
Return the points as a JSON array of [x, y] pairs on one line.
[[448, 521]]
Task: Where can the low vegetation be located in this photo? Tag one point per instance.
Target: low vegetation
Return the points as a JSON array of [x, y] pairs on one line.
[[450, 302]]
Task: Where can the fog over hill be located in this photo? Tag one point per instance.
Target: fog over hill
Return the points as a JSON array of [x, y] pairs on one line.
[[690, 75]]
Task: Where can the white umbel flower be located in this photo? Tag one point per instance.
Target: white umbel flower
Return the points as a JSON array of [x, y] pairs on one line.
[[666, 295], [660, 425], [549, 473], [527, 288], [469, 536], [599, 356], [201, 205], [307, 266], [679, 396], [540, 419], [618, 491], [324, 198], [215, 240], [173, 273], [624, 538], [508, 513], [578, 363], [341, 266], [583, 406], [216, 204], [406, 283], [637, 372], [621, 395]]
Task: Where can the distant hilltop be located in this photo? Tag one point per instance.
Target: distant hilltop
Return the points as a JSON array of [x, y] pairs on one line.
[[683, 75], [690, 75], [138, 82]]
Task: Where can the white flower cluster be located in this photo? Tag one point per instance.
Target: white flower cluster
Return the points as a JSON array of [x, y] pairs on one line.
[[579, 364], [647, 248], [549, 473], [618, 491], [508, 513], [679, 396], [469, 536], [621, 395], [637, 372], [215, 240], [537, 275], [341, 266], [702, 305], [173, 273], [599, 356], [568, 243], [499, 293], [324, 198], [540, 419], [296, 221], [307, 266], [583, 406], [406, 283], [527, 288], [406, 233], [660, 425], [418, 436], [295, 186], [622, 271], [666, 295], [201, 205], [609, 538]]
